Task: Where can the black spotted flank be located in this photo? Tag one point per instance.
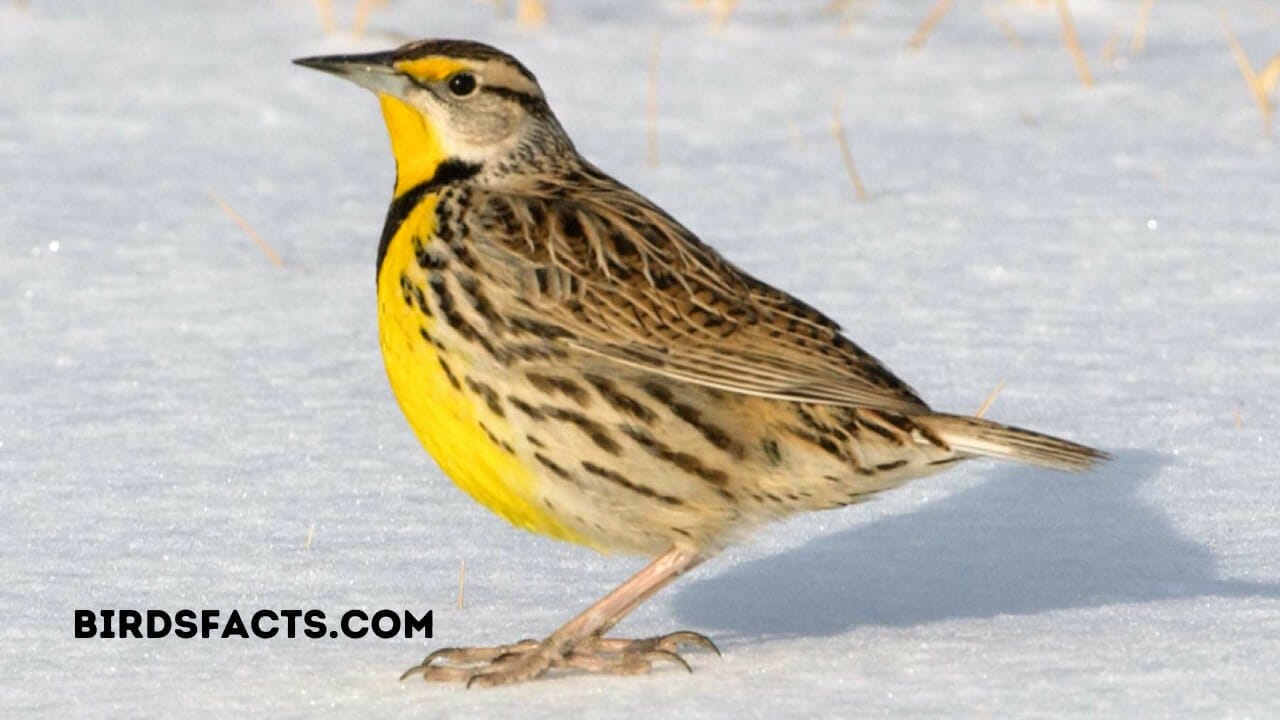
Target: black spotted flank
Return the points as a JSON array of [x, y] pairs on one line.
[[682, 460], [489, 394], [449, 171], [448, 371], [551, 465], [592, 429], [771, 451], [493, 438], [713, 434], [621, 480], [552, 384], [532, 412], [620, 400], [428, 337], [823, 441]]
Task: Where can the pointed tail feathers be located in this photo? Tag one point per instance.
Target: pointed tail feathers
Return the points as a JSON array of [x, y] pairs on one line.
[[975, 436]]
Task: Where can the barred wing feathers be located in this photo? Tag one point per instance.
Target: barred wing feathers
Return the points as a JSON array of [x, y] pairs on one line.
[[621, 279]]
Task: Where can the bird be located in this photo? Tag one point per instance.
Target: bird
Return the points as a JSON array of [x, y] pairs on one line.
[[584, 366]]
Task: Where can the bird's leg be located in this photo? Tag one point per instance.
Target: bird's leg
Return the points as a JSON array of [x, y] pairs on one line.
[[579, 643]]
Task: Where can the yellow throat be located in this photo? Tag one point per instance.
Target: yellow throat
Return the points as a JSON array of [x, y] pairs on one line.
[[414, 143]]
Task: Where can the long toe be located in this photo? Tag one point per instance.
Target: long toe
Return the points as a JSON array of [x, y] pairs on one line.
[[444, 673], [460, 664], [623, 656], [670, 643], [632, 663], [514, 668]]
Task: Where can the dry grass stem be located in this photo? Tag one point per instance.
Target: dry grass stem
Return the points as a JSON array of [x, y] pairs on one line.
[[922, 33], [324, 8], [1271, 75], [721, 11], [1003, 25], [849, 12], [1255, 83], [364, 8], [651, 107], [1072, 42], [1138, 42], [1237, 417], [311, 533], [1111, 49], [248, 229], [462, 581], [991, 399], [837, 129], [531, 13]]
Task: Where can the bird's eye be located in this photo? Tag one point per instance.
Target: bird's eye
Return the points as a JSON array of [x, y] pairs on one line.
[[462, 84]]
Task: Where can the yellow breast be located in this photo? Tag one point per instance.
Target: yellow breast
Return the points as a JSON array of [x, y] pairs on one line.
[[444, 415]]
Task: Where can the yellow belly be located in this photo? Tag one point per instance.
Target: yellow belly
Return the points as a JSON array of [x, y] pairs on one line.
[[447, 419]]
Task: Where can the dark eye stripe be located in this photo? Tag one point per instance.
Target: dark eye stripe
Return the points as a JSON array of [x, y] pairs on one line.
[[532, 104]]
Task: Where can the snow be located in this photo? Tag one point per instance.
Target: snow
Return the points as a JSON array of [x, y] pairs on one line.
[[177, 415]]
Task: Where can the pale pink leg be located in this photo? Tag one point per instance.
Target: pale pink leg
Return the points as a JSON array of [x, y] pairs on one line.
[[609, 610], [579, 642]]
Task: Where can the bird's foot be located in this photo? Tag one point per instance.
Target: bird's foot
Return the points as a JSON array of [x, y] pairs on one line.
[[529, 659]]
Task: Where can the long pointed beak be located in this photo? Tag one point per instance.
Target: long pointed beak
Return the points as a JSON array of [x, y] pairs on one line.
[[374, 71]]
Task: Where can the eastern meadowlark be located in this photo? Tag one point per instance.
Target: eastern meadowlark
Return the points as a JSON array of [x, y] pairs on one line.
[[581, 364]]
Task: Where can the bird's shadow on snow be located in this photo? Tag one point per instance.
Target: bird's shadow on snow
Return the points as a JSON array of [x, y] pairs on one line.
[[1025, 542]]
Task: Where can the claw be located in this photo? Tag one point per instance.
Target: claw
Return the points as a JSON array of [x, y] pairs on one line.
[[671, 657], [423, 666], [426, 661], [688, 637]]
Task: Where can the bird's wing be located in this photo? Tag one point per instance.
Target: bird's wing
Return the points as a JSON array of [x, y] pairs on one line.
[[606, 271]]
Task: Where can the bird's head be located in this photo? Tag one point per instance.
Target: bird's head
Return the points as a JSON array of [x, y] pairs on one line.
[[454, 101]]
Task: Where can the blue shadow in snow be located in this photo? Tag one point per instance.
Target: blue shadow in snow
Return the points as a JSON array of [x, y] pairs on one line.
[[1026, 542]]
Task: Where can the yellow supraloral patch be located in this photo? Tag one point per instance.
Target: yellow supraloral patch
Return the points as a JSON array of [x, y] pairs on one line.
[[431, 69]]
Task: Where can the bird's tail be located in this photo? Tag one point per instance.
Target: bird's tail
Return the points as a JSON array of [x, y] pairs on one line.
[[975, 436]]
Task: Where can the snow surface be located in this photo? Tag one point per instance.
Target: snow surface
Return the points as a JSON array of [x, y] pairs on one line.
[[176, 413]]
